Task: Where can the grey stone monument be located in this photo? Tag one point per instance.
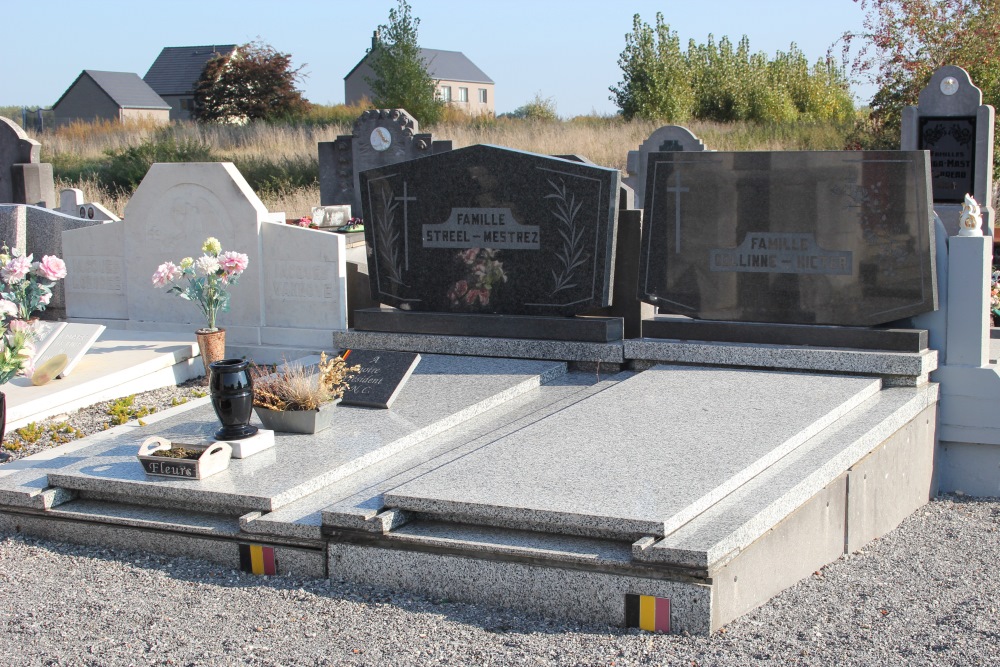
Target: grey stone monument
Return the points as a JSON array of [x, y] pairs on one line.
[[665, 139], [380, 137], [805, 237], [951, 121], [23, 179]]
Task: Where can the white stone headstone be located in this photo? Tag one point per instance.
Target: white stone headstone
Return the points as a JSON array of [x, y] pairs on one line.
[[666, 138], [175, 208], [331, 216], [95, 272]]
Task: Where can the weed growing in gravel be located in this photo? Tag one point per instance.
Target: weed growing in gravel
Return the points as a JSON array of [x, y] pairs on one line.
[[30, 433], [122, 411]]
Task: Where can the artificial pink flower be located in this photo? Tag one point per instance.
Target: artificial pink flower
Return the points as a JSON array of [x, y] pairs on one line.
[[20, 325], [16, 269], [52, 268], [305, 221], [7, 308], [233, 263], [469, 256], [166, 273], [45, 298]]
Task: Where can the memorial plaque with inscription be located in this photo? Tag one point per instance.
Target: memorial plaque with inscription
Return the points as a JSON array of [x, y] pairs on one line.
[[952, 143], [810, 237], [380, 379], [485, 229]]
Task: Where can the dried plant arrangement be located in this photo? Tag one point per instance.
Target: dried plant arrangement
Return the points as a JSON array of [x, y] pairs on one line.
[[296, 387]]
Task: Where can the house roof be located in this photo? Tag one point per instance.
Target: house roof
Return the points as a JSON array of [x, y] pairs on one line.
[[445, 66], [177, 69], [126, 89]]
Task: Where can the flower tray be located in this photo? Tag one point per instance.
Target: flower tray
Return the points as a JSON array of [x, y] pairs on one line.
[[297, 421], [214, 457]]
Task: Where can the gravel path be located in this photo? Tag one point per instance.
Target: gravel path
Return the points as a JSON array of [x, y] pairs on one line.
[[926, 594]]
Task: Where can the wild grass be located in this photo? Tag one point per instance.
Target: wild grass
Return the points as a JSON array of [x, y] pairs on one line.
[[280, 161]]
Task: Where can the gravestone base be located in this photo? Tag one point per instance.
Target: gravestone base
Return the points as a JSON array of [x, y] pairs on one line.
[[677, 327], [514, 483], [575, 329]]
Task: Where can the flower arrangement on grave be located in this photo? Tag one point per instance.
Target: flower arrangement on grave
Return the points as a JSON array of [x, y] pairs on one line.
[[353, 225], [27, 285], [995, 296], [304, 221], [295, 387], [482, 274], [208, 278], [16, 350]]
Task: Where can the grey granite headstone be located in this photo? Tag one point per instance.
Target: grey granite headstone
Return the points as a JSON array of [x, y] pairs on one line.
[[951, 121], [811, 237], [491, 230], [381, 378], [380, 137], [665, 139], [15, 149]]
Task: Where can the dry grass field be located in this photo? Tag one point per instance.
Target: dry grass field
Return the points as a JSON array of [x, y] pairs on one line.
[[271, 152]]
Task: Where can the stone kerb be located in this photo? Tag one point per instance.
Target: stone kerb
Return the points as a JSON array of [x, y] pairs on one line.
[[951, 121]]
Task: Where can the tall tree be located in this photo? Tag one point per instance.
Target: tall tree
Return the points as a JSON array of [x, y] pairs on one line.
[[400, 78], [255, 82], [905, 41]]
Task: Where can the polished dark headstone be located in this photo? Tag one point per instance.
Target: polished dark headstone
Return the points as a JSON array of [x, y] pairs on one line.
[[380, 379], [677, 327], [485, 229], [810, 237], [952, 143], [578, 329]]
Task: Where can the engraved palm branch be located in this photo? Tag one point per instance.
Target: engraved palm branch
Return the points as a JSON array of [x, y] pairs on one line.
[[389, 237], [571, 256]]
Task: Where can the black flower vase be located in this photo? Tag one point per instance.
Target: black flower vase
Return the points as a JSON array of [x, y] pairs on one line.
[[231, 388]]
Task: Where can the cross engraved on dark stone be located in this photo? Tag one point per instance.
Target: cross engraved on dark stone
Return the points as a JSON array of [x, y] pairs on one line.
[[406, 227], [677, 189]]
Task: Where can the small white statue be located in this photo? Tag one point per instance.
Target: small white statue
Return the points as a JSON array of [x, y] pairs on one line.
[[970, 223]]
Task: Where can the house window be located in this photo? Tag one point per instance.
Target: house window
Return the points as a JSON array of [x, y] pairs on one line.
[[463, 94], [482, 96], [187, 104], [446, 93]]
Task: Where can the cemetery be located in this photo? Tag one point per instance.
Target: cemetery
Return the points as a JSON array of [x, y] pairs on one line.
[[654, 401]]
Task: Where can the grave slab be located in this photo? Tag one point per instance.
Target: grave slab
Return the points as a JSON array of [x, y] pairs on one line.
[[442, 392], [664, 478], [491, 230], [802, 237]]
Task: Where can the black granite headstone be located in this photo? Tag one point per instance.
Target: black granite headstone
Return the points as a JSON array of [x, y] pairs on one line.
[[485, 229], [811, 237], [380, 379], [952, 143]]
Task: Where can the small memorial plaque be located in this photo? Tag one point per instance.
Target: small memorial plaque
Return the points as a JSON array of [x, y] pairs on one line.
[[809, 237], [485, 229], [952, 143], [74, 340], [381, 378]]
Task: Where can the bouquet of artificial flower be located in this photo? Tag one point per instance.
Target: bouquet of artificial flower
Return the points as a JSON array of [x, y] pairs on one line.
[[995, 293], [26, 285], [16, 351], [209, 278]]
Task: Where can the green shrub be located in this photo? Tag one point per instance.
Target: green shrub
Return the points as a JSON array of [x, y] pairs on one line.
[[126, 167]]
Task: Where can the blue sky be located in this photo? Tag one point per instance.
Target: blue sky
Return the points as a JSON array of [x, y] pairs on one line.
[[564, 49]]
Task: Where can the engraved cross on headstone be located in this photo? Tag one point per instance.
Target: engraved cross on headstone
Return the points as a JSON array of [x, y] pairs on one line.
[[406, 226], [677, 190]]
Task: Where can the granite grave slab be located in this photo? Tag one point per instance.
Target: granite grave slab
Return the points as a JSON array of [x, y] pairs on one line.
[[443, 392], [491, 230], [811, 237], [663, 478]]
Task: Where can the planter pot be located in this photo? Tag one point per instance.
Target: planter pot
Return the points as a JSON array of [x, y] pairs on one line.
[[231, 388], [298, 421], [211, 346], [214, 458]]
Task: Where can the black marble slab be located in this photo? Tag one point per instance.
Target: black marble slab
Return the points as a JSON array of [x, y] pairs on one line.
[[577, 329], [380, 379], [793, 237], [675, 327], [485, 229], [952, 143]]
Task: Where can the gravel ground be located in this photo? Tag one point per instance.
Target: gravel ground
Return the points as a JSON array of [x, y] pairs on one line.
[[928, 593]]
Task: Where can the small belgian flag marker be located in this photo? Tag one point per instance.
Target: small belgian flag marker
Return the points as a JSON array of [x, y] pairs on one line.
[[257, 559], [647, 613]]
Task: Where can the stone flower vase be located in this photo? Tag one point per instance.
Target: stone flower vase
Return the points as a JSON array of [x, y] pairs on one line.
[[231, 388], [211, 345]]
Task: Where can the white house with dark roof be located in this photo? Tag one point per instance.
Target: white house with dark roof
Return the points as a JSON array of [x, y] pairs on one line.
[[459, 81], [118, 96], [176, 71]]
